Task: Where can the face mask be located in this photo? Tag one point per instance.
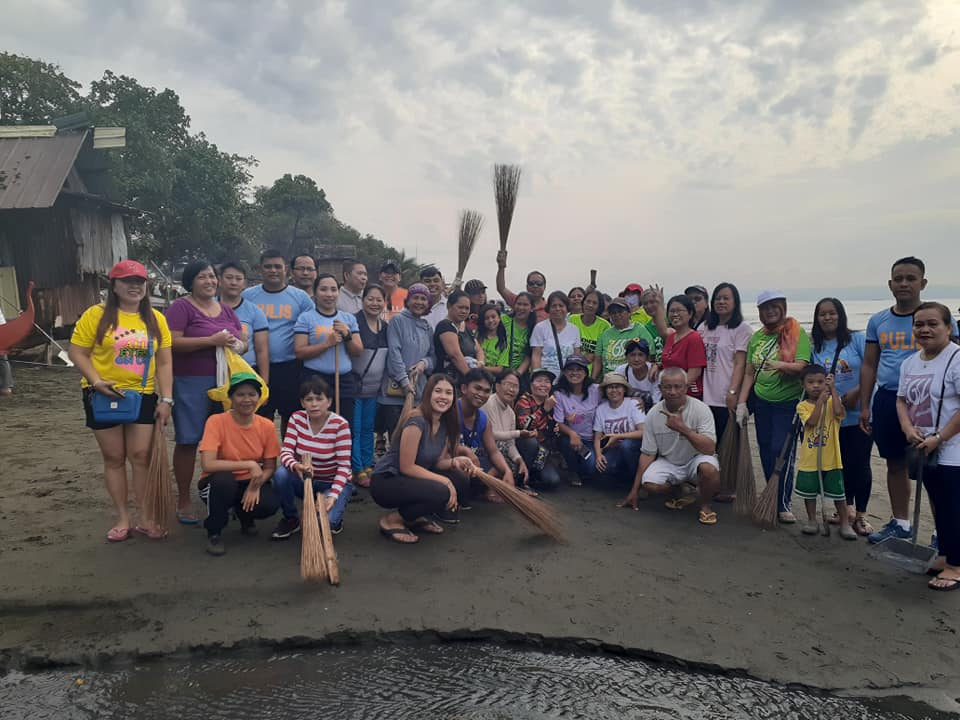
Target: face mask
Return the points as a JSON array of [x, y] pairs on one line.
[[633, 301]]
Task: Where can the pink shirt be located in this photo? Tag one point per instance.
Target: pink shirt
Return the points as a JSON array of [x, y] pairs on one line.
[[721, 345]]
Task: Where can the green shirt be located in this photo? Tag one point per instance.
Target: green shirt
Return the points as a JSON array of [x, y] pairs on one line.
[[494, 356], [518, 340], [612, 344], [656, 349], [770, 385], [589, 334]]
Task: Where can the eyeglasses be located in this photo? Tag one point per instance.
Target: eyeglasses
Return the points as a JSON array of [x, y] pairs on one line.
[[509, 386], [535, 283]]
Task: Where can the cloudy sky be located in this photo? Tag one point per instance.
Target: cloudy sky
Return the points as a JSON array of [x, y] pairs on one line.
[[787, 142]]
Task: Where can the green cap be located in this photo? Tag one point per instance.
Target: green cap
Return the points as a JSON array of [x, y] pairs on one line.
[[245, 377]]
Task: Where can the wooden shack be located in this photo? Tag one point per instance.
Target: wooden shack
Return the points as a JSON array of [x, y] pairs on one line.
[[54, 230]]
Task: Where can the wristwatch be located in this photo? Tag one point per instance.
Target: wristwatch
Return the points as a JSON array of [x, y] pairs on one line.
[[167, 400]]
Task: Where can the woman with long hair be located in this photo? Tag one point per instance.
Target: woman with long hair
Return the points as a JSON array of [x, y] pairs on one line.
[[554, 339], [369, 368], [199, 324], [577, 399], [576, 296], [456, 349], [682, 344], [518, 328], [776, 356], [421, 475], [590, 324], [123, 346], [841, 351], [492, 337]]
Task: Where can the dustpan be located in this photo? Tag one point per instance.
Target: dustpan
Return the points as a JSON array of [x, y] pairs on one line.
[[903, 553]]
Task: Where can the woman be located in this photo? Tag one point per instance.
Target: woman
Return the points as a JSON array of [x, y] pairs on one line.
[[503, 421], [613, 340], [421, 475], [370, 367], [725, 339], [554, 339], [776, 356], [682, 345], [409, 353], [534, 412], [123, 346], [238, 456], [928, 406], [199, 324], [576, 296], [256, 330], [493, 340], [456, 350], [841, 351], [325, 339], [637, 372], [617, 431], [577, 400], [590, 324], [518, 328]]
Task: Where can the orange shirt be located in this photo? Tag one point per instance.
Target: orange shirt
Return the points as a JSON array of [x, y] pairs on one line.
[[395, 303], [230, 441]]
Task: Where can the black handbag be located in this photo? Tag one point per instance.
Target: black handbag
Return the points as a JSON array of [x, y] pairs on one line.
[[917, 460]]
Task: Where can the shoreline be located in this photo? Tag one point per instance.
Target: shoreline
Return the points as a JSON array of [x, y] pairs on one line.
[[653, 584]]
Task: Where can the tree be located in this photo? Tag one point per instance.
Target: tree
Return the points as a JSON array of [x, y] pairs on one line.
[[33, 92], [293, 208]]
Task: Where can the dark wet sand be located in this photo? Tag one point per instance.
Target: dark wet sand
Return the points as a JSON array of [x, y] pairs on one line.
[[773, 605]]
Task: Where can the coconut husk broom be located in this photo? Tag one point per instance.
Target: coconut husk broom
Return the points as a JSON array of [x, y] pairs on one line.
[[746, 486], [765, 511], [727, 452], [506, 183], [535, 511], [329, 553], [470, 224], [312, 562], [157, 501]]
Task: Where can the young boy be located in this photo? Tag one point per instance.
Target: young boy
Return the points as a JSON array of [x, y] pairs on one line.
[[819, 453]]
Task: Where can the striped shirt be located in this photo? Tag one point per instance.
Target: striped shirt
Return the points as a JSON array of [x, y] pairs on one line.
[[329, 449]]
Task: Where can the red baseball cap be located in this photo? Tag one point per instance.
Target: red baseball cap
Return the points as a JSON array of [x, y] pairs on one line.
[[127, 268], [632, 288]]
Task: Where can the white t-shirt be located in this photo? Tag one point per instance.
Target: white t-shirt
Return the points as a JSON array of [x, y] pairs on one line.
[[661, 441], [542, 337], [641, 387], [623, 419], [920, 382], [721, 344]]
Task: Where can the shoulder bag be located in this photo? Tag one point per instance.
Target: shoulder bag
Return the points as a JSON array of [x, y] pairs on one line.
[[556, 341], [126, 408]]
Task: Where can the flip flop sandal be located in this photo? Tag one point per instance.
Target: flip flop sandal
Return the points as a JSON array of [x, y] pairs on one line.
[[862, 528], [724, 498], [707, 517], [576, 482], [363, 479], [954, 584], [118, 534], [427, 526], [185, 517], [392, 534], [680, 503], [150, 533], [528, 491]]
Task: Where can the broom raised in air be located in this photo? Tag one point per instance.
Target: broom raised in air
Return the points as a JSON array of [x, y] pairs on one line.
[[535, 511], [506, 183], [312, 562], [746, 485], [157, 501], [470, 224]]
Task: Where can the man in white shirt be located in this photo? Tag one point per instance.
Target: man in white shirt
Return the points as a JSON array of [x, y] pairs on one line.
[[433, 279], [351, 292]]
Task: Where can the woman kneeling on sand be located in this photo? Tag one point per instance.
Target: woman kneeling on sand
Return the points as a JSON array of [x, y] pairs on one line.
[[417, 476]]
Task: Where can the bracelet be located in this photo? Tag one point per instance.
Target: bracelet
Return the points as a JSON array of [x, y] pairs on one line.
[[732, 392]]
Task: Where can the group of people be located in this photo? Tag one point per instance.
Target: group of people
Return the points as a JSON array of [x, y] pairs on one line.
[[441, 385]]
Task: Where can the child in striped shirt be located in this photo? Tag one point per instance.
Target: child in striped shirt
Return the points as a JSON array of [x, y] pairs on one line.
[[325, 437]]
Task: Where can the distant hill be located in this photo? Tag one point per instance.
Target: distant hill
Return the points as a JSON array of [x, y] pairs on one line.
[[878, 292]]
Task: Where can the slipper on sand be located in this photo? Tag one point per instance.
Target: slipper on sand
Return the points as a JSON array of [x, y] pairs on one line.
[[708, 517], [426, 525], [954, 584], [681, 502], [118, 534], [185, 517], [395, 533], [150, 533]]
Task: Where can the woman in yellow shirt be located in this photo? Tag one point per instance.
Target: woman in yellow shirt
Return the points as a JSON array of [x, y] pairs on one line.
[[124, 346]]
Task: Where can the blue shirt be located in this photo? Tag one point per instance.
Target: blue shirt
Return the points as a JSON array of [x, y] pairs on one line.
[[318, 327], [251, 320], [847, 373], [282, 308], [894, 334]]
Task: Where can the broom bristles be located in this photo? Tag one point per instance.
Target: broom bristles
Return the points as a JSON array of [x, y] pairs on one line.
[[470, 224], [506, 183], [746, 486], [312, 564], [158, 492], [765, 510], [329, 553], [727, 451], [535, 511]]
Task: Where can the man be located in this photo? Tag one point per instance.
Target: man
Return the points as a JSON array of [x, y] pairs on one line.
[[631, 295], [889, 342], [393, 293], [536, 286], [303, 273], [256, 329], [351, 292], [282, 304], [476, 433], [679, 442], [477, 292], [700, 298], [433, 279], [611, 346], [650, 301]]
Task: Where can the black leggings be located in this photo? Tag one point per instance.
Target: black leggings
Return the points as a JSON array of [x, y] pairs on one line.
[[721, 416], [855, 446], [547, 478], [417, 497], [943, 487], [223, 491]]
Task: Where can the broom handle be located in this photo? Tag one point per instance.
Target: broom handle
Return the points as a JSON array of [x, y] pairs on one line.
[[336, 379]]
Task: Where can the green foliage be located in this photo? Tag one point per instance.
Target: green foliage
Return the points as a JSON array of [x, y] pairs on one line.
[[292, 211], [33, 92]]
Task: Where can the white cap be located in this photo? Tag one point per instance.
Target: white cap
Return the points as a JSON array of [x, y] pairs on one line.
[[766, 296]]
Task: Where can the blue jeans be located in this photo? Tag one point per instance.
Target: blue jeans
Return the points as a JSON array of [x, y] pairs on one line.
[[585, 468], [774, 426], [288, 486], [622, 460], [361, 452]]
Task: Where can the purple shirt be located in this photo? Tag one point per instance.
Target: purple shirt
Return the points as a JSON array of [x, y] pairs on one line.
[[183, 316], [582, 410]]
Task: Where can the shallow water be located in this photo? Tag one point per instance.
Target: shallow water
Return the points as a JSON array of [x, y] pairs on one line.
[[464, 680]]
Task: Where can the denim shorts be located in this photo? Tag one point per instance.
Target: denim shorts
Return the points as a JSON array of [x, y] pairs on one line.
[[192, 407], [887, 433]]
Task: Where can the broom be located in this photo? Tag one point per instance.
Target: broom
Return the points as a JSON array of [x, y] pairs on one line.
[[329, 553], [765, 511], [312, 564], [746, 486], [728, 453], [470, 224], [535, 511], [157, 496], [506, 183]]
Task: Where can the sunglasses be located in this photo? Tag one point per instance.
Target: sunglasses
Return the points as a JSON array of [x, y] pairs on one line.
[[535, 283]]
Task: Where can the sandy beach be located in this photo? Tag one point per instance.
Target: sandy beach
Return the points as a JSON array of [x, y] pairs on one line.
[[772, 605]]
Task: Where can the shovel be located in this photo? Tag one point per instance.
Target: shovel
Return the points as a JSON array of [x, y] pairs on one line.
[[906, 553]]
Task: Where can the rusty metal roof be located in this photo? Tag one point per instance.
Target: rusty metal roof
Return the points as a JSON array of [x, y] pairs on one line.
[[33, 169]]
